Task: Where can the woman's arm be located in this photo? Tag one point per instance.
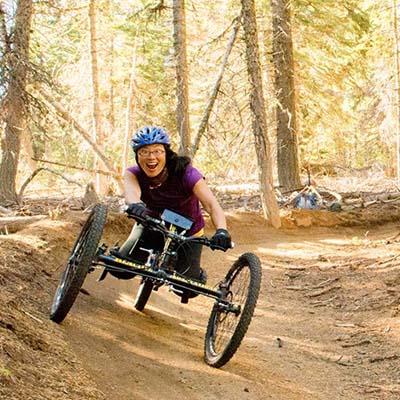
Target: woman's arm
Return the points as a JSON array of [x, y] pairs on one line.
[[132, 191], [210, 203]]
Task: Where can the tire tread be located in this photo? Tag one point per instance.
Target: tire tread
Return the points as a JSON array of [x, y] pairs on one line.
[[221, 359], [95, 230]]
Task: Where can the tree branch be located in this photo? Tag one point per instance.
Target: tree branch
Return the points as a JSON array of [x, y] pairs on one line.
[[153, 10], [66, 116], [35, 172], [214, 93], [96, 171]]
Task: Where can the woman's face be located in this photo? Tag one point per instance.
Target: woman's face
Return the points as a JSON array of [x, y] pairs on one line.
[[152, 159]]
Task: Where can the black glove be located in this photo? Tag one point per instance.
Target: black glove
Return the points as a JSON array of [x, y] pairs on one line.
[[221, 240], [137, 210]]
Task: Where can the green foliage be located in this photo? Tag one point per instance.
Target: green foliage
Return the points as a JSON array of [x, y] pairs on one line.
[[343, 74], [334, 81], [148, 34]]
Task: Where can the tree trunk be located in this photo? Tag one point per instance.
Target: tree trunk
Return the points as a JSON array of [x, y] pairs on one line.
[[257, 105], [14, 108], [397, 83], [130, 107], [5, 39], [98, 136], [27, 145], [286, 123], [111, 112], [182, 86]]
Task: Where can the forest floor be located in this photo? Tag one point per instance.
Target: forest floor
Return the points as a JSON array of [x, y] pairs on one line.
[[326, 326]]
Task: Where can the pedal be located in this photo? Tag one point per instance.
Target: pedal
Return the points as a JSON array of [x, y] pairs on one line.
[[157, 286], [101, 250], [103, 275], [181, 293]]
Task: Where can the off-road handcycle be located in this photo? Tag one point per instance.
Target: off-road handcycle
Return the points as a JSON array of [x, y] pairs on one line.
[[235, 296]]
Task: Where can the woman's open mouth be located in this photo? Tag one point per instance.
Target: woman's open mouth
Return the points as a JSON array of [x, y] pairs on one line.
[[151, 166]]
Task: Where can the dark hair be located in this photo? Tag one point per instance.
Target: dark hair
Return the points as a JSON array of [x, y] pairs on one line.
[[176, 165]]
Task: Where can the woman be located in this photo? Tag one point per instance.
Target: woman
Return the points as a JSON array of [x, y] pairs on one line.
[[163, 180]]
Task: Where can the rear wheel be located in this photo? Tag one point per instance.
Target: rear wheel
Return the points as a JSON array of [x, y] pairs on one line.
[[226, 328], [143, 295], [78, 263]]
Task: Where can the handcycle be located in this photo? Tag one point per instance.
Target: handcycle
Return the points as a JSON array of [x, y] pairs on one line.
[[235, 296]]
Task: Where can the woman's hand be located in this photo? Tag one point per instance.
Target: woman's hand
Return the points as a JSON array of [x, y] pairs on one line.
[[137, 210], [221, 240]]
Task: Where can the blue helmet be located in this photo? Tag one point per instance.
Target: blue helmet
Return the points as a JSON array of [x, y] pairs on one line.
[[149, 135]]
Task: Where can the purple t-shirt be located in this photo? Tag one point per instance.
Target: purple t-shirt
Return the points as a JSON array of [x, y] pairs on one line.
[[174, 194]]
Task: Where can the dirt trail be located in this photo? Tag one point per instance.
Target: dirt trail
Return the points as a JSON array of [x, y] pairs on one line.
[[158, 354], [326, 326]]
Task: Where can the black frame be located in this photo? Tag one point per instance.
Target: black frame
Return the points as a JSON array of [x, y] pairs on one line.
[[113, 263]]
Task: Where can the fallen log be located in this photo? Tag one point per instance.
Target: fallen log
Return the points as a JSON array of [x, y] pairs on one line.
[[5, 211], [14, 224]]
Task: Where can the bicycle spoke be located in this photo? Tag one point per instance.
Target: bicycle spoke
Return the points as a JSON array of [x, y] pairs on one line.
[[226, 329]]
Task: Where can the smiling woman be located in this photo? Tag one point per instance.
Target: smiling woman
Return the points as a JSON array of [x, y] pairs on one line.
[[151, 159], [163, 180]]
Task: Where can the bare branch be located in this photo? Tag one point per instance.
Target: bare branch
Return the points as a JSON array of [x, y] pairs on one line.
[[152, 10], [35, 172], [66, 116], [214, 93], [96, 171]]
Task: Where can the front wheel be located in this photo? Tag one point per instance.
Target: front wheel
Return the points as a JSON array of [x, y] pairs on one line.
[[143, 295], [78, 263], [226, 328]]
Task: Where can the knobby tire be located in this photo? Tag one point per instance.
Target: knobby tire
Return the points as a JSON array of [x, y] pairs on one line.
[[225, 330], [78, 263], [143, 294]]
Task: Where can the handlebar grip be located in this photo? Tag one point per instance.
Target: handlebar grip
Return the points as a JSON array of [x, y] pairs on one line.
[[214, 247], [140, 218]]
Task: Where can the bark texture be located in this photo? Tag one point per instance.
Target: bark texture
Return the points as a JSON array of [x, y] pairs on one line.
[[257, 105], [98, 135], [182, 86], [287, 146], [14, 113]]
